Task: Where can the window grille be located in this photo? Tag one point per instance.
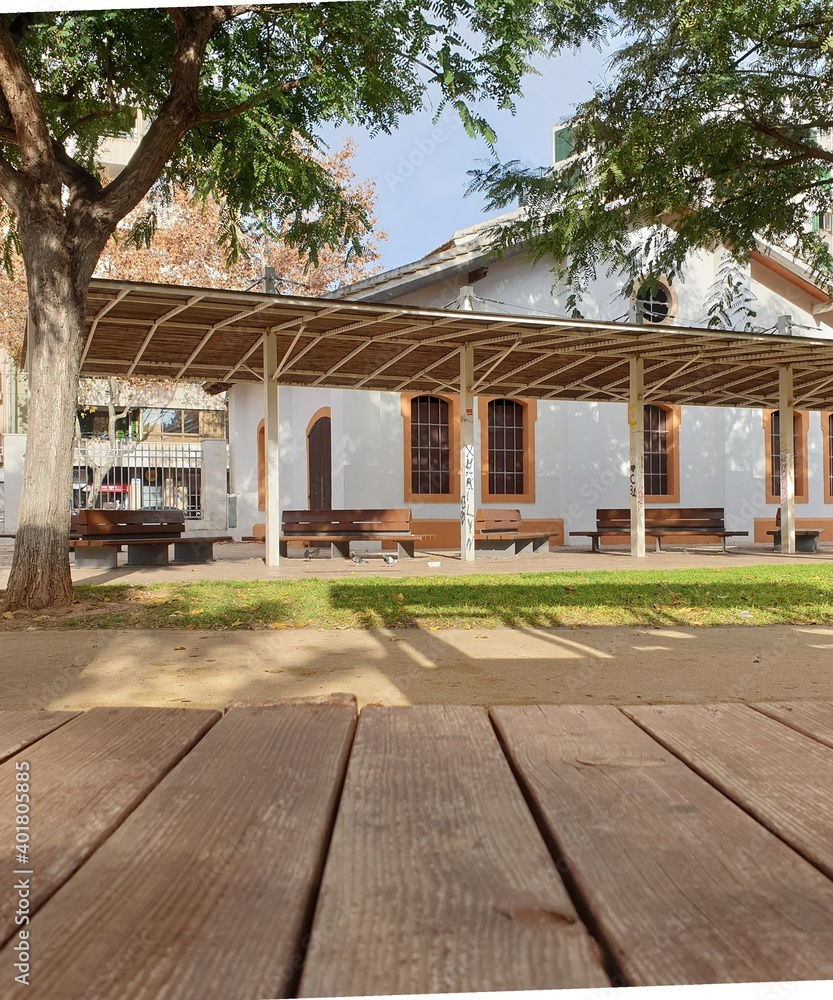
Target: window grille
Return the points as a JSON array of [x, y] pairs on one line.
[[430, 453], [656, 451], [506, 447]]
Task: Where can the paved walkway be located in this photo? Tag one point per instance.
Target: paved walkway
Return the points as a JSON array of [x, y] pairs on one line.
[[244, 561], [77, 670]]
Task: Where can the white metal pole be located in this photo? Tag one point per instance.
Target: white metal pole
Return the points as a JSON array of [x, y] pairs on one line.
[[636, 423], [270, 407], [467, 454], [786, 417]]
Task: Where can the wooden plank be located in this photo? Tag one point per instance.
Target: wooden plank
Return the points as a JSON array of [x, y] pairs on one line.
[[206, 890], [84, 779], [778, 775], [812, 718], [20, 729], [437, 879], [683, 886]]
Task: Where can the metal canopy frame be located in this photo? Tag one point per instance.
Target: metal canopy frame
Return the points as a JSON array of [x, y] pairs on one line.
[[225, 337]]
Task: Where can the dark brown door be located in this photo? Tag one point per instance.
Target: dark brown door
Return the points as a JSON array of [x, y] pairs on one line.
[[319, 461]]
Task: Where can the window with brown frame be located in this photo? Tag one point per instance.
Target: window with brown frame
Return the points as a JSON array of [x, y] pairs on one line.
[[661, 453], [827, 435], [431, 448], [507, 450], [506, 446], [772, 431], [656, 451]]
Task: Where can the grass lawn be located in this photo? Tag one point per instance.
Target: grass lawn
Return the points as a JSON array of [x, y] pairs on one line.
[[757, 595]]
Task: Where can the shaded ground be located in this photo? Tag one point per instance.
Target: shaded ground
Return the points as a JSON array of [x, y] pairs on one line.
[[48, 669]]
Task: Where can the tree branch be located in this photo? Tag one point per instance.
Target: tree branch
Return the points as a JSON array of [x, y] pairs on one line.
[[814, 152], [11, 188], [226, 113], [32, 136], [194, 27], [91, 117]]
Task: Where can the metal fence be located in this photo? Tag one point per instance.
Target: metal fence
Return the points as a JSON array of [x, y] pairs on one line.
[[137, 476]]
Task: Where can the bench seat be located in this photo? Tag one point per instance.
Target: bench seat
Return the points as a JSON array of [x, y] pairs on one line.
[[340, 528], [97, 536], [497, 534], [661, 522], [806, 539]]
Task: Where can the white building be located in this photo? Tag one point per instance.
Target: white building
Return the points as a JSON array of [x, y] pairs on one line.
[[556, 461]]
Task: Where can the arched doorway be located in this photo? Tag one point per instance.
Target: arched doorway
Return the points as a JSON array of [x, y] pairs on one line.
[[319, 462]]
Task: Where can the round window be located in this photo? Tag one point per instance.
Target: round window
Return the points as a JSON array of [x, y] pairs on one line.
[[654, 301]]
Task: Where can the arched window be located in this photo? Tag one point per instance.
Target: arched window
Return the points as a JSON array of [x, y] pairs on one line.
[[507, 450], [656, 451], [506, 446], [654, 301], [431, 459], [661, 457], [772, 430]]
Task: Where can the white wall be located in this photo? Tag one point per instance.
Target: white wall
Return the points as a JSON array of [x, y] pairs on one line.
[[581, 449], [14, 450]]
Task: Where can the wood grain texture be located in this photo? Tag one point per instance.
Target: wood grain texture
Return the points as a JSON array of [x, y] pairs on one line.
[[20, 729], [784, 779], [207, 888], [812, 718], [84, 779], [437, 879], [683, 886]]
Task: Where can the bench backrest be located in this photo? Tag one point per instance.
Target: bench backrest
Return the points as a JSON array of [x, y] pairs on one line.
[[678, 518], [346, 522], [153, 523], [497, 520]]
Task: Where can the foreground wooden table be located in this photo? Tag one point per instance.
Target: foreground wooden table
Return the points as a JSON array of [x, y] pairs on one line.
[[291, 851]]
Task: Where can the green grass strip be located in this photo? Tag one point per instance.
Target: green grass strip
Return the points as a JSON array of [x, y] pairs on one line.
[[757, 595]]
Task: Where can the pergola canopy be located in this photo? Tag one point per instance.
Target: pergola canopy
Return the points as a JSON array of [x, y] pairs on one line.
[[216, 337]]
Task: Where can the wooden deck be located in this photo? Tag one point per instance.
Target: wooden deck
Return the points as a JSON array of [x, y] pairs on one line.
[[293, 850]]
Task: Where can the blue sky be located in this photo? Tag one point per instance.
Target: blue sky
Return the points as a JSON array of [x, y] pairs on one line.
[[420, 170]]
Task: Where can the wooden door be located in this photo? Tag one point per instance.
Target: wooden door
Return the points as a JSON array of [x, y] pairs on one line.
[[319, 465]]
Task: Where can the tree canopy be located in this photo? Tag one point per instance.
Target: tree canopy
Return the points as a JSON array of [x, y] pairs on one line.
[[234, 97], [716, 127]]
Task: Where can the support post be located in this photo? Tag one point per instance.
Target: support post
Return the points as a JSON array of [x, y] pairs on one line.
[[636, 423], [786, 418], [270, 426], [467, 455]]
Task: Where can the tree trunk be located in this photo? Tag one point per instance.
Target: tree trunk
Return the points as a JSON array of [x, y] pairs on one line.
[[58, 274]]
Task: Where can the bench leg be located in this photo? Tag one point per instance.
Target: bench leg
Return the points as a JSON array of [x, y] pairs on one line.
[[594, 544], [806, 543], [193, 551], [283, 550], [541, 544], [340, 549], [658, 546], [148, 555], [491, 548], [98, 557], [405, 550]]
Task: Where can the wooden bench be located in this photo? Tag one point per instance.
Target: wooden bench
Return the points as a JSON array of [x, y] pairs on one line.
[[661, 522], [338, 528], [498, 533], [148, 535], [806, 539]]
